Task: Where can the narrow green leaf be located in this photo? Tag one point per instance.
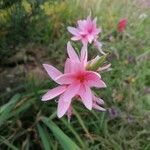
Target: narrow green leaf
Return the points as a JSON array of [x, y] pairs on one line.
[[64, 140], [5, 110], [53, 115], [6, 107], [45, 139], [147, 147], [6, 142], [13, 110], [102, 118], [74, 132], [23, 107], [81, 122]]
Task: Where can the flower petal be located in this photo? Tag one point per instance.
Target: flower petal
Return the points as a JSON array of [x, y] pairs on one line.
[[90, 38], [69, 112], [67, 78], [53, 93], [84, 54], [95, 20], [78, 67], [52, 71], [73, 67], [98, 45], [73, 31], [97, 100], [95, 106], [98, 31], [71, 52], [93, 61], [104, 67], [63, 106], [71, 91], [86, 96], [67, 68], [81, 25], [94, 80], [90, 75], [76, 38]]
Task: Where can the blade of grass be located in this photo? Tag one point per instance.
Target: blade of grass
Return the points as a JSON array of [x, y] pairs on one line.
[[5, 110], [53, 115], [23, 107], [26, 143], [14, 110], [147, 147], [6, 142], [6, 107], [68, 125], [102, 118], [45, 139], [64, 140], [82, 124]]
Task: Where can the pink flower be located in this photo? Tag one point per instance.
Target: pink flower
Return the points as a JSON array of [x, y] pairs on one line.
[[122, 24], [86, 30], [76, 81]]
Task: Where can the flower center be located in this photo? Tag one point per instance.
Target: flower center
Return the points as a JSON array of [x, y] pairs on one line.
[[83, 35], [90, 29], [81, 78]]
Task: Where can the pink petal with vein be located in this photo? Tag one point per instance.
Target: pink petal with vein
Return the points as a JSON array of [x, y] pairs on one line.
[[76, 38], [63, 106], [73, 30], [98, 100], [71, 91], [52, 71], [53, 93], [67, 68], [84, 54], [69, 112], [95, 106], [104, 67], [65, 78], [71, 52], [94, 80], [86, 96]]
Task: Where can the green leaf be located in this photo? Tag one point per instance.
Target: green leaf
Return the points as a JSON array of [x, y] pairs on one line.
[[6, 107], [81, 121], [14, 108], [44, 137], [64, 140], [6, 142], [70, 127], [5, 110]]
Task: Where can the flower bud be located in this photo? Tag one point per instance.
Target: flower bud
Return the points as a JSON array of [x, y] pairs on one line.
[[96, 63]]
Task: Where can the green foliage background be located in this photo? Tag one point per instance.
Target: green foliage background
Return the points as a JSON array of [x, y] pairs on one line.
[[27, 123]]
